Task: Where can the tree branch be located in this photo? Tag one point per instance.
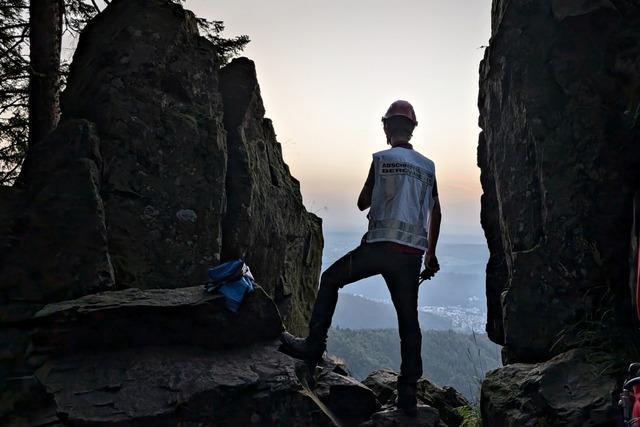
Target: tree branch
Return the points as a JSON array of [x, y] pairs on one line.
[[14, 91], [9, 176], [16, 103], [25, 32], [8, 27]]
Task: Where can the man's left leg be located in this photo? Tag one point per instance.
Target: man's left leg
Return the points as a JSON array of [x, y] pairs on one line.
[[402, 280], [362, 262]]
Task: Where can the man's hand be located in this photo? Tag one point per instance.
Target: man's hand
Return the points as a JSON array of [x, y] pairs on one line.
[[431, 267]]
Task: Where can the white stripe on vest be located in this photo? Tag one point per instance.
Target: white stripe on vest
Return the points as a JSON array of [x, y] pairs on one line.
[[402, 197]]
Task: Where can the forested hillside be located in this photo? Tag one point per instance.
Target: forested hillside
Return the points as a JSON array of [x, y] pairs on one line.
[[448, 358]]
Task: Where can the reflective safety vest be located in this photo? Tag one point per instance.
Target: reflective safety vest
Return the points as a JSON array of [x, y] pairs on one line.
[[402, 197]]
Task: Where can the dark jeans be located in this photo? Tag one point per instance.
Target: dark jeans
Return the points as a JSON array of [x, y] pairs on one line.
[[400, 271]]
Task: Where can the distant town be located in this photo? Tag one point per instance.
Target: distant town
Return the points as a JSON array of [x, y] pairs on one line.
[[463, 319]]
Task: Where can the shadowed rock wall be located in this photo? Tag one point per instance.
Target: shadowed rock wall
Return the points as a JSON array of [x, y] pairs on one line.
[[559, 154], [559, 158]]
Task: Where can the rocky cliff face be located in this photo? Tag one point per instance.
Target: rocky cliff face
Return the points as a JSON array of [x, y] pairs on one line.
[[173, 177], [559, 156], [266, 223]]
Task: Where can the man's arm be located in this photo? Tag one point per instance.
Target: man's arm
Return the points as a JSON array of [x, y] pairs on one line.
[[434, 225], [364, 200], [431, 265], [434, 231]]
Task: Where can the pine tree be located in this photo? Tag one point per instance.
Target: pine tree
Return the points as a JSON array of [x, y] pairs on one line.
[[14, 86]]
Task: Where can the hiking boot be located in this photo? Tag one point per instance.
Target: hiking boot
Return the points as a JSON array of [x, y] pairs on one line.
[[302, 348], [407, 401]]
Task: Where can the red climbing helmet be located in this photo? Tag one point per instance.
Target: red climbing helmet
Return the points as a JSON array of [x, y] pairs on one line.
[[401, 108]]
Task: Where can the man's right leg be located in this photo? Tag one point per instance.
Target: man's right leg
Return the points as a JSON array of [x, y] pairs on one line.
[[358, 264], [402, 280]]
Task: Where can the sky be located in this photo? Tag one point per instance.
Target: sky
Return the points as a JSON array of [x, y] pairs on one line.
[[328, 70]]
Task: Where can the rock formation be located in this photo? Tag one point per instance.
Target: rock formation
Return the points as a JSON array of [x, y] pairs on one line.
[[162, 166], [163, 191], [173, 356], [567, 390], [148, 81], [559, 156], [443, 400], [266, 223]]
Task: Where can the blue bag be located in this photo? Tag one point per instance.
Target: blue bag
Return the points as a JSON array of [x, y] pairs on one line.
[[233, 280], [226, 272]]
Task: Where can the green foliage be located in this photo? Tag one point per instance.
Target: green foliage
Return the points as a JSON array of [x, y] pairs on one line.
[[226, 48], [448, 358], [470, 415], [14, 83]]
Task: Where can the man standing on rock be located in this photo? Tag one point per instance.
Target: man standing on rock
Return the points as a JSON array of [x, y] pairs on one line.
[[404, 222]]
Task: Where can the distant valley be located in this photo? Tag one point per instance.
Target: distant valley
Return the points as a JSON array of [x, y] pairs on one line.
[[357, 312]]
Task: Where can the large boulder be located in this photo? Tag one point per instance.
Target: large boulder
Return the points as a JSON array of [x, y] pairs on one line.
[[352, 401], [266, 223], [444, 400], [568, 390], [157, 317], [560, 164], [148, 80], [158, 387], [393, 417], [152, 386]]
